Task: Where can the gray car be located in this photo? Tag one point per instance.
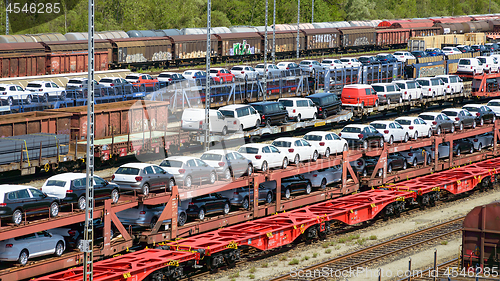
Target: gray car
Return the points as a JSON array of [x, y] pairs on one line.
[[189, 170], [272, 70], [228, 163], [311, 66], [462, 118], [243, 196], [147, 215], [482, 141], [416, 156], [32, 245], [322, 178], [440, 123], [443, 150], [143, 177], [388, 93]]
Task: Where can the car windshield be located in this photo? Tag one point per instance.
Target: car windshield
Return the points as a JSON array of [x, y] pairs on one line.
[[211, 157], [483, 60], [464, 62], [132, 77], [351, 130], [378, 125], [344, 60], [378, 88], [2, 88], [363, 59], [214, 71], [248, 150], [404, 122], [471, 109], [427, 117], [75, 82], [282, 143], [106, 80], [493, 103], [313, 138], [237, 68], [444, 79], [381, 57], [450, 113], [127, 171], [171, 163], [55, 183], [286, 102], [163, 75], [260, 66], [399, 54], [227, 113], [33, 85], [423, 82]]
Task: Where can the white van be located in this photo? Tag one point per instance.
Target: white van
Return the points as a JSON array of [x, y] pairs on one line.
[[470, 65], [490, 64], [246, 114], [193, 119], [431, 87], [410, 88], [452, 84], [299, 108]]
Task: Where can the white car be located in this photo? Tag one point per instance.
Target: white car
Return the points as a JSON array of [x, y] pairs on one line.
[[193, 75], [431, 87], [332, 64], [44, 89], [299, 108], [410, 89], [326, 142], [297, 149], [495, 106], [403, 56], [416, 126], [244, 72], [490, 64], [32, 245], [322, 178], [470, 65], [272, 70], [350, 62], [246, 114], [451, 50], [193, 119], [453, 83], [264, 156], [392, 131], [11, 93]]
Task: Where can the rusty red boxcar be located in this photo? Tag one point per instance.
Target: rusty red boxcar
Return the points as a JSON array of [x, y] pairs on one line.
[[22, 59], [35, 122]]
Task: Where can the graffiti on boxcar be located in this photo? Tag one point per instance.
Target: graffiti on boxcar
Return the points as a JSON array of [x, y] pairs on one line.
[[361, 41], [329, 39], [160, 56], [135, 58], [141, 125], [430, 71]]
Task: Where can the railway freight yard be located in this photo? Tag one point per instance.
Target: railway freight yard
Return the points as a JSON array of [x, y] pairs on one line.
[[315, 160]]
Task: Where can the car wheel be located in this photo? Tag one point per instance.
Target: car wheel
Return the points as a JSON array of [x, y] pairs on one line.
[[171, 184], [269, 197], [429, 134], [471, 149], [325, 114], [245, 204], [314, 117], [264, 166], [82, 202], [227, 174], [308, 188], [298, 118], [381, 142], [224, 131], [438, 131], [142, 88], [145, 189], [153, 222], [452, 130], [285, 163], [227, 208], [213, 177], [10, 101], [461, 126], [327, 152], [287, 193], [479, 147], [296, 159], [481, 122], [414, 162], [364, 172], [201, 214], [79, 244], [389, 168], [345, 148], [115, 195], [388, 101], [380, 172], [376, 103], [182, 219], [406, 138], [249, 170], [268, 122], [188, 182], [474, 124], [315, 156], [405, 165], [365, 144], [458, 151], [23, 257], [257, 123], [46, 97], [59, 249], [391, 140], [28, 99], [17, 217], [323, 184]]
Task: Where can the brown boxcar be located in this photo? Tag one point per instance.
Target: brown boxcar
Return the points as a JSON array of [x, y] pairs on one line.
[[141, 51], [451, 28], [362, 37], [322, 40], [476, 26], [188, 47], [244, 44], [394, 38], [286, 42], [118, 118], [22, 59], [481, 236], [35, 122], [494, 25], [72, 56]]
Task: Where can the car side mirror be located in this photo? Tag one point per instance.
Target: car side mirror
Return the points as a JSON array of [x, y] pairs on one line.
[[106, 183], [44, 195]]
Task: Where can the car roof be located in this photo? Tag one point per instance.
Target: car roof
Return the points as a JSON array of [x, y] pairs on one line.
[[233, 106], [358, 86], [169, 73], [110, 77], [430, 113], [406, 118], [382, 122], [401, 81], [347, 58], [382, 84], [453, 109], [219, 151], [322, 133], [290, 139], [473, 105], [78, 78], [382, 54], [495, 100], [356, 126], [68, 176], [263, 102], [365, 57], [8, 85], [319, 95], [256, 145], [181, 158], [12, 187], [293, 99], [241, 66], [424, 78], [136, 165], [217, 68]]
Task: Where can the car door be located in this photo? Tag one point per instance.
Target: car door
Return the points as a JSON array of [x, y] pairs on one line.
[[211, 203], [277, 156], [400, 129], [38, 201], [30, 242], [488, 112], [47, 244], [163, 177], [449, 123], [204, 169], [246, 119], [150, 177], [330, 143], [241, 163], [100, 187], [254, 116], [307, 149], [193, 170], [219, 200]]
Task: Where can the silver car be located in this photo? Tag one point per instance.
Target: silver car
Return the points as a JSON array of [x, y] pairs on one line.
[[143, 177], [439, 122], [272, 70], [228, 163], [416, 156], [462, 118], [243, 196], [482, 141], [322, 178], [147, 215], [443, 150], [189, 170], [32, 245], [311, 66]]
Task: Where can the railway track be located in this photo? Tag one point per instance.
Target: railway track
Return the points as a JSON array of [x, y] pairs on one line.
[[375, 253]]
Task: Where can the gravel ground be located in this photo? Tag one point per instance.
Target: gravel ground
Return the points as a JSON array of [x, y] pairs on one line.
[[334, 246]]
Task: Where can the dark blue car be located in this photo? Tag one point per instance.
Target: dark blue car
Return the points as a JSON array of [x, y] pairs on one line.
[[433, 52], [419, 54], [386, 58]]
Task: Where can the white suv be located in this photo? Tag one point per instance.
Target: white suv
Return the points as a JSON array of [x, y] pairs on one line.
[[244, 72], [246, 114], [300, 108], [11, 93], [264, 156], [451, 50], [431, 87], [470, 65], [403, 56], [490, 64], [44, 89], [410, 89], [452, 83]]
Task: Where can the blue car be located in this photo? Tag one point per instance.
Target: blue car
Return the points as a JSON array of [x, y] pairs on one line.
[[386, 58], [433, 52]]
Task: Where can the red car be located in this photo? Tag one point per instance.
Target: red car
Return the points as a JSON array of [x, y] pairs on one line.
[[221, 75], [142, 81]]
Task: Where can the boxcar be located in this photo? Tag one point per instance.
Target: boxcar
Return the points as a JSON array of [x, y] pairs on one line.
[[236, 46], [140, 52], [355, 38], [392, 38], [187, 48], [322, 40], [22, 59], [286, 42]]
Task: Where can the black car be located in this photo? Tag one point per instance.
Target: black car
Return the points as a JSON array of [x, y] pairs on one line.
[[465, 48], [78, 88], [295, 184], [386, 58], [117, 85], [478, 48], [394, 161], [362, 135], [462, 145], [16, 201], [492, 47], [75, 233], [271, 112], [483, 113], [368, 60], [419, 54], [327, 103], [206, 204], [171, 78]]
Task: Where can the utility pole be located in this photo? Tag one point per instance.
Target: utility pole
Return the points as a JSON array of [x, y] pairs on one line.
[[312, 15], [274, 32], [265, 53], [208, 78], [88, 243], [298, 31]]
